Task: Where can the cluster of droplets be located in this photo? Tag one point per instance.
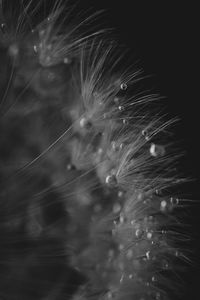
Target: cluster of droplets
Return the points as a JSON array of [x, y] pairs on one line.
[[110, 175]]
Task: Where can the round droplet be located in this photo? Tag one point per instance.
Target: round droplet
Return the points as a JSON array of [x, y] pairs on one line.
[[109, 295], [3, 28], [85, 123], [148, 255], [70, 167], [125, 121], [129, 254], [149, 235], [158, 296], [121, 219], [123, 86], [35, 48], [111, 253], [154, 278], [111, 180], [158, 192], [121, 247], [120, 194], [139, 233], [157, 150], [121, 108], [114, 146], [165, 264], [122, 278], [164, 232], [116, 100], [174, 201], [51, 76], [146, 135], [116, 208], [163, 205], [121, 146]]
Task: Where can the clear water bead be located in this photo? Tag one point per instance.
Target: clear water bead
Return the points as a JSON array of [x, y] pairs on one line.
[[158, 296], [163, 205], [139, 233], [111, 180], [157, 150], [146, 134], [123, 86], [84, 123], [174, 201], [121, 108], [165, 264], [3, 28], [129, 254], [125, 121], [149, 235], [116, 100], [148, 255], [35, 48], [120, 194], [116, 208]]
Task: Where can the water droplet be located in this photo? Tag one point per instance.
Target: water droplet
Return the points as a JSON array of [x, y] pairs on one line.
[[130, 276], [149, 235], [148, 255], [174, 201], [120, 194], [177, 253], [51, 76], [154, 278], [122, 278], [121, 146], [147, 283], [123, 86], [3, 28], [85, 123], [109, 295], [111, 253], [164, 232], [146, 135], [116, 101], [158, 296], [158, 192], [114, 145], [139, 233], [125, 121], [121, 219], [165, 264], [157, 150], [111, 180], [129, 254], [121, 108], [13, 50], [116, 208], [70, 167], [121, 247], [163, 205]]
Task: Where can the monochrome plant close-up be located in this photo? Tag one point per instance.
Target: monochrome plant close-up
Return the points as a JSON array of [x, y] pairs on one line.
[[93, 201]]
